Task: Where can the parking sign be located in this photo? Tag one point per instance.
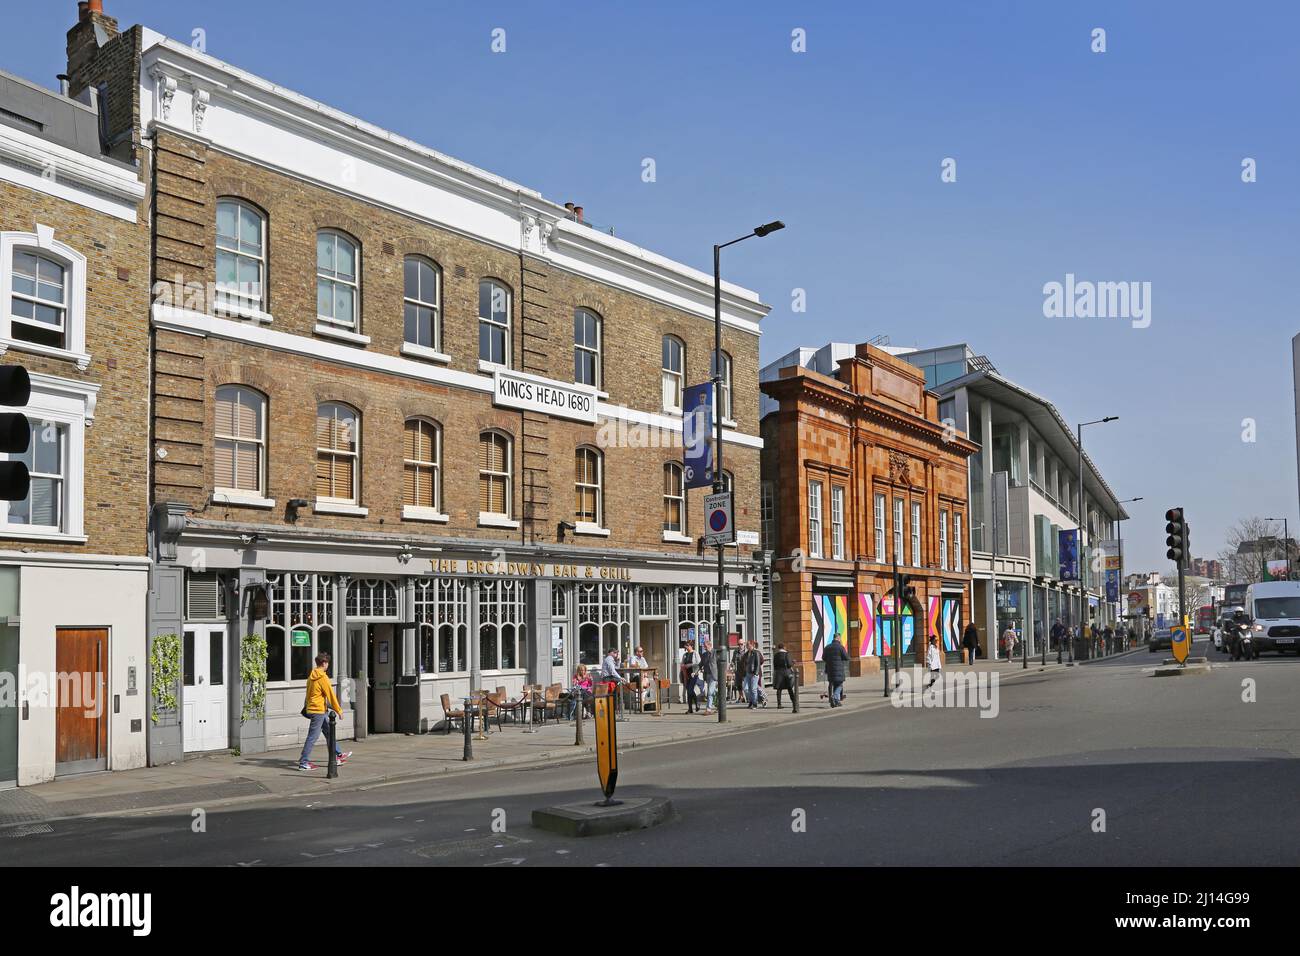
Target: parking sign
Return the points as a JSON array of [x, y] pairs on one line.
[[718, 525]]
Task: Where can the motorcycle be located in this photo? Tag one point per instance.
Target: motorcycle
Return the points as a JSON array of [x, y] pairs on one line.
[[1243, 644]]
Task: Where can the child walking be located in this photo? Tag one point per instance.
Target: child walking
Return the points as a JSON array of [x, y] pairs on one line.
[[932, 660]]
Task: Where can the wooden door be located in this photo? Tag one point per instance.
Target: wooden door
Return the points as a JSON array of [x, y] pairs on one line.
[[81, 718]]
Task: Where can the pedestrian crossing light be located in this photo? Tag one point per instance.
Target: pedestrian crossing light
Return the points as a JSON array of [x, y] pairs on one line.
[[1176, 529], [15, 432]]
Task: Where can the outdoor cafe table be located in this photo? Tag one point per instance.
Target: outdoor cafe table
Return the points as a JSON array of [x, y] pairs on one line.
[[649, 678]]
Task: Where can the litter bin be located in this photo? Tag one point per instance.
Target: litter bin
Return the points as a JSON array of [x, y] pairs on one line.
[[406, 703]]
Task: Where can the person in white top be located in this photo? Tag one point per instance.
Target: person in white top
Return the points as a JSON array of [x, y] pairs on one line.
[[932, 660]]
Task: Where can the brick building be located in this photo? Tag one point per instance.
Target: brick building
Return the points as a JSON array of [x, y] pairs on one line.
[[868, 476], [404, 410], [74, 267]]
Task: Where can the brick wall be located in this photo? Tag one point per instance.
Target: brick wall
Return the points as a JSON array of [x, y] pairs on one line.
[[117, 339], [191, 177]]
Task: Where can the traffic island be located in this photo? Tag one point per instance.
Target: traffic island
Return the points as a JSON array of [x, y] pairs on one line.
[[596, 819], [1174, 670]]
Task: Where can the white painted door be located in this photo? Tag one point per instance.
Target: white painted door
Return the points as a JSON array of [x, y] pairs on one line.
[[559, 649], [204, 716]]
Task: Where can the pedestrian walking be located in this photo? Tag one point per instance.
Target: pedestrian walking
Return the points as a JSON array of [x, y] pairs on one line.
[[1008, 641], [932, 661], [784, 678], [750, 667], [709, 671], [321, 704], [836, 659], [690, 665], [1057, 634], [970, 640]]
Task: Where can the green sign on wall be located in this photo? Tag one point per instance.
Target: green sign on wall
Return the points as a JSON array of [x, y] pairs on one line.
[[299, 637]]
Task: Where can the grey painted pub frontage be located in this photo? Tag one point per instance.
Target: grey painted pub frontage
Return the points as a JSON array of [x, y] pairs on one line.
[[405, 622]]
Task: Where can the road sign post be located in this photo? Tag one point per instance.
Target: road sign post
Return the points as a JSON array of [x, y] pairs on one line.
[[1181, 642], [607, 748]]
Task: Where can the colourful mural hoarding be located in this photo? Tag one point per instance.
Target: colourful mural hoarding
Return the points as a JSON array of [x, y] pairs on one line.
[[830, 620], [867, 633], [885, 625]]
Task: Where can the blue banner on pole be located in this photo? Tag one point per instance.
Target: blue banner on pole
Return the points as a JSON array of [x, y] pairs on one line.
[[1069, 549], [697, 450], [1112, 585]]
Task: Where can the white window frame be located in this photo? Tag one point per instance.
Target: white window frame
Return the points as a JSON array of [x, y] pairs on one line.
[[956, 540], [329, 322], [943, 540], [899, 532], [815, 519], [673, 379], [598, 526], [69, 403], [435, 306], [498, 518], [355, 500], [232, 494], [43, 243], [916, 534], [681, 533], [508, 325], [240, 303], [881, 556], [837, 522], [594, 351], [424, 512]]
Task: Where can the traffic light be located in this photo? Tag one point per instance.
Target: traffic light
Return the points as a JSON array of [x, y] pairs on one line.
[[1176, 529], [15, 432]]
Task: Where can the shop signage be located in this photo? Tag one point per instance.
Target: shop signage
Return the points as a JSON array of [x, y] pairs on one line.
[[528, 569], [532, 393], [299, 638]]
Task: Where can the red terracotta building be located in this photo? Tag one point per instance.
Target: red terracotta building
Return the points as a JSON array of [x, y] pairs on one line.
[[859, 472]]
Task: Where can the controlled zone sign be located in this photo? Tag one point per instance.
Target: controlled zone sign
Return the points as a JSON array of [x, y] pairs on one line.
[[719, 527]]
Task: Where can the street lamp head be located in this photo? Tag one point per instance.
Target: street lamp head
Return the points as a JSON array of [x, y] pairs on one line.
[[763, 230], [1111, 418]]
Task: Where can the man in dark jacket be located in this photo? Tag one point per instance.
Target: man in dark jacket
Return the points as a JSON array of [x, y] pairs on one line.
[[784, 677], [708, 671], [970, 639], [836, 659]]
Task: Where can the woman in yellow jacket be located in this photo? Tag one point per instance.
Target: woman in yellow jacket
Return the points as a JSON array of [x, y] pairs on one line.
[[321, 699]]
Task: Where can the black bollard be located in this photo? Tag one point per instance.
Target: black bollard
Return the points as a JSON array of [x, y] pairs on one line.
[[330, 737], [465, 722], [581, 703], [794, 691]]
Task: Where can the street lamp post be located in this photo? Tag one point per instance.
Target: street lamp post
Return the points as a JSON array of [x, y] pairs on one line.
[[720, 655], [1119, 537], [1079, 508]]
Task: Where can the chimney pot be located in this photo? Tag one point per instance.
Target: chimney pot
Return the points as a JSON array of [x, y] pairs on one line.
[[97, 6], [569, 206], [83, 10], [577, 211]]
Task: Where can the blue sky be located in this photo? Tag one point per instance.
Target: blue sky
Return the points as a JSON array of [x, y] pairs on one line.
[[1115, 166]]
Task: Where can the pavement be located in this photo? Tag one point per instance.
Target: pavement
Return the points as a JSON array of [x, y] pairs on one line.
[[221, 777], [1082, 766]]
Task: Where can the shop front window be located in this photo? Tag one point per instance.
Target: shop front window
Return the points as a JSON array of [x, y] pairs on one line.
[[604, 621], [301, 624]]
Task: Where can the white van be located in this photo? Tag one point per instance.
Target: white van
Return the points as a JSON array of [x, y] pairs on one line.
[[1274, 607]]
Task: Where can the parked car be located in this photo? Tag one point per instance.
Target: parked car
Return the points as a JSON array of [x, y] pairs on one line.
[[1160, 638]]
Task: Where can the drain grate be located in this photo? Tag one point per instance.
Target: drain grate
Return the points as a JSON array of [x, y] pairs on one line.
[[22, 806], [26, 829]]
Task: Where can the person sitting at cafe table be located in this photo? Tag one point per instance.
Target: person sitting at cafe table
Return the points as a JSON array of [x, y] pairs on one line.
[[637, 660], [583, 687]]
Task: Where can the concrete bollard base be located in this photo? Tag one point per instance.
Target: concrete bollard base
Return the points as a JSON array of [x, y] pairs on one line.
[[1176, 671], [589, 819]]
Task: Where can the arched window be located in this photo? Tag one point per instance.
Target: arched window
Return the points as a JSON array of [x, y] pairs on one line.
[[674, 372], [722, 367], [589, 486], [338, 452], [674, 499], [493, 322], [241, 255], [496, 488], [39, 303], [338, 284], [422, 465], [586, 347], [239, 461], [422, 301]]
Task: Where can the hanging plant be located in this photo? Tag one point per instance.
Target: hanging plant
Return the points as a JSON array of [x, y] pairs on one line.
[[252, 674], [165, 674]]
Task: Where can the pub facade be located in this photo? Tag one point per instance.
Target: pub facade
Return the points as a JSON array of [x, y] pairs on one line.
[[407, 412]]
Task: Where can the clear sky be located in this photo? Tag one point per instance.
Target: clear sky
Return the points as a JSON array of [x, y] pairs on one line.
[[1117, 166]]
